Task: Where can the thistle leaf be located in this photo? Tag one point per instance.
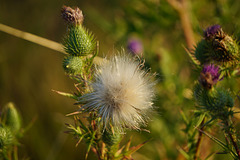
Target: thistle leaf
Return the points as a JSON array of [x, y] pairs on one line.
[[184, 153], [90, 144], [130, 151], [220, 143], [66, 94], [192, 57], [200, 120]]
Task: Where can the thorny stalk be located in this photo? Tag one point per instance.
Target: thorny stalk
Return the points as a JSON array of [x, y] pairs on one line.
[[199, 141]]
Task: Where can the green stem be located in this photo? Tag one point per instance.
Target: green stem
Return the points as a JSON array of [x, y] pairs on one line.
[[199, 141], [5, 156], [15, 152]]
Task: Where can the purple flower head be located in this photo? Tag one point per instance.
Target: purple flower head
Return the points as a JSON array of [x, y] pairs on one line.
[[135, 46], [212, 31], [209, 76]]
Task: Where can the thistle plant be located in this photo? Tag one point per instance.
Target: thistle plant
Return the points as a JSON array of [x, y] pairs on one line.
[[218, 55], [114, 96], [78, 43]]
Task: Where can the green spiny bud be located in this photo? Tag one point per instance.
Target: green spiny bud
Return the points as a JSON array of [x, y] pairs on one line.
[[218, 102], [73, 65], [79, 42], [11, 117], [110, 138], [6, 137]]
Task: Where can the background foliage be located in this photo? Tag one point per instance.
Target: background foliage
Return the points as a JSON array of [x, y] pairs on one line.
[[29, 72]]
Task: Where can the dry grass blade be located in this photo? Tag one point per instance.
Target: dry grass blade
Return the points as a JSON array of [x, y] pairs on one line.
[[32, 38], [38, 40]]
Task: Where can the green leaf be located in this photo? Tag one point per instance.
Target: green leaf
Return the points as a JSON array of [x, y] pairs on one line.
[[184, 117], [184, 153], [129, 151], [222, 144], [200, 120], [193, 58], [66, 94], [90, 144], [210, 155]]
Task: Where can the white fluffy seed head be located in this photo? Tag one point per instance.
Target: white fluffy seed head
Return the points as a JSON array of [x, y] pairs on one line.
[[122, 93]]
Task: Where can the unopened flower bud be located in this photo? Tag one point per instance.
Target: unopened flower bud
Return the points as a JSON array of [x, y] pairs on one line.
[[72, 16], [217, 102], [79, 42], [73, 65], [110, 138], [11, 117]]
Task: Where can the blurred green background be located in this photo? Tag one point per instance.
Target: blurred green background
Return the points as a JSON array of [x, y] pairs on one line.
[[29, 72]]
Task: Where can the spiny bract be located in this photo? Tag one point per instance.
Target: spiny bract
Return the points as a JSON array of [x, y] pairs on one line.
[[73, 65], [79, 42]]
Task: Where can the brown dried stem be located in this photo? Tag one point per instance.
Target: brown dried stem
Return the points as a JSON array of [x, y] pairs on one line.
[[181, 6]]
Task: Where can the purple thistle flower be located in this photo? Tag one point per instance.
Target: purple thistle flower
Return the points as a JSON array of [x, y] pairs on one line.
[[212, 31], [209, 76], [135, 46]]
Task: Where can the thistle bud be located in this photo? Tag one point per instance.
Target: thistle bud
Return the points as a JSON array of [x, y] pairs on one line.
[[225, 51], [110, 138], [6, 137], [72, 16], [11, 117], [73, 65], [79, 42], [217, 47], [217, 102]]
